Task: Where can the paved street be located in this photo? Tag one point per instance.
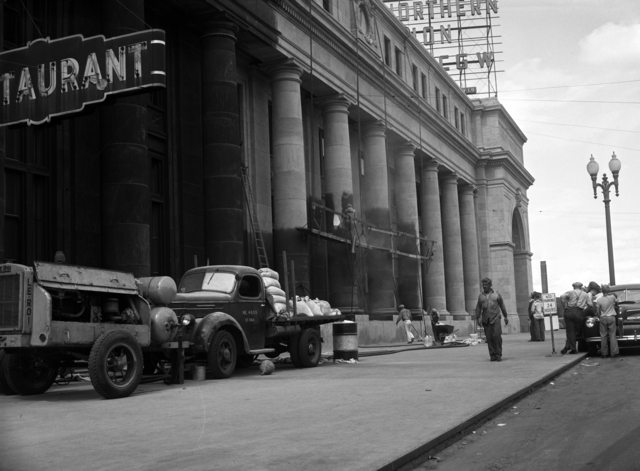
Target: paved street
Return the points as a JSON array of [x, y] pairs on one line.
[[587, 418], [377, 414]]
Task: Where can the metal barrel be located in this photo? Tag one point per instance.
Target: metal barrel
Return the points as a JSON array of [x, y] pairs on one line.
[[199, 372], [345, 341]]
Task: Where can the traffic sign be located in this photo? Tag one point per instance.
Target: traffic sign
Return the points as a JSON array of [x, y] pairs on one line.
[[549, 303]]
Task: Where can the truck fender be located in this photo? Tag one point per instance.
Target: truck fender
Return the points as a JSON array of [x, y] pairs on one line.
[[212, 323]]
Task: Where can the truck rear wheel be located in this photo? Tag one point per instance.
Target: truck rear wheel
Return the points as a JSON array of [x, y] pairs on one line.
[[24, 377], [115, 364], [294, 350], [222, 355], [310, 348]]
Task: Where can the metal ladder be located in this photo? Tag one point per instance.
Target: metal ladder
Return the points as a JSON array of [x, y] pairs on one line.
[[253, 216]]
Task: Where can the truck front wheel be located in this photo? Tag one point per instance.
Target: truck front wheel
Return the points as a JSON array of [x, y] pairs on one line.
[[309, 348], [222, 355], [115, 364], [24, 376]]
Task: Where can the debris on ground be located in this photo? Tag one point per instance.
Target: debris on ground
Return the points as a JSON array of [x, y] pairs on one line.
[[340, 360]]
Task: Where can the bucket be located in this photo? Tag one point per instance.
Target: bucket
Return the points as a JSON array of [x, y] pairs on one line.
[[200, 373], [345, 341]]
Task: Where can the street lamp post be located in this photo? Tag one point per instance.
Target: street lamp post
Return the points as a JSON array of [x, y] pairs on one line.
[[592, 168]]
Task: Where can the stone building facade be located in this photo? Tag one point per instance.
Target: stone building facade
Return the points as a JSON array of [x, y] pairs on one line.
[[355, 141]]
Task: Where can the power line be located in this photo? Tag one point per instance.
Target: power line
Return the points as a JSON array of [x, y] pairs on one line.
[[568, 86], [577, 126], [577, 101], [584, 142]]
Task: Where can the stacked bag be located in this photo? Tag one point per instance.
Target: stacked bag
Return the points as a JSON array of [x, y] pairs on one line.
[[313, 307], [270, 279], [304, 306]]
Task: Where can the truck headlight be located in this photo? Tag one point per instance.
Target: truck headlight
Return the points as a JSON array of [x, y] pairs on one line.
[[591, 321], [187, 319]]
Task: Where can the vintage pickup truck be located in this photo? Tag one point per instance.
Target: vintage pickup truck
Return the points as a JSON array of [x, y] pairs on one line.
[[60, 316], [235, 321]]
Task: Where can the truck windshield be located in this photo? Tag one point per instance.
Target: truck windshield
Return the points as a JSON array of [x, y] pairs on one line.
[[208, 281]]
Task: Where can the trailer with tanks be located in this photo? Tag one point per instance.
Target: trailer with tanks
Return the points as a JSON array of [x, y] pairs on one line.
[[55, 316]]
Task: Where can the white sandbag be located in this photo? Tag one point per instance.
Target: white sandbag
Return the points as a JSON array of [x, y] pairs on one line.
[[315, 309], [269, 273], [335, 312], [279, 299], [325, 307], [275, 291], [270, 282], [301, 306]]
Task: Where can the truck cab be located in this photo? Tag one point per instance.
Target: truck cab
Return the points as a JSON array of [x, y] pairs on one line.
[[229, 304]]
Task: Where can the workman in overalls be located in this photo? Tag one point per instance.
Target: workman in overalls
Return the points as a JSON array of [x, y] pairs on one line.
[[488, 309]]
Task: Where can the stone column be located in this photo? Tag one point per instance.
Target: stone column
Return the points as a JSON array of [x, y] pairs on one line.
[[453, 265], [289, 184], [482, 220], [222, 177], [375, 202], [124, 161], [339, 194], [434, 284], [469, 233], [407, 221]]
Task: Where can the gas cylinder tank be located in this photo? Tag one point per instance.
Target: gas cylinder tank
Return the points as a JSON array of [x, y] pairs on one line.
[[163, 325], [160, 290]]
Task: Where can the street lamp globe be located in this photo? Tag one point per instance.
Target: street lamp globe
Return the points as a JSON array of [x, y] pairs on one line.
[[593, 167], [614, 165]]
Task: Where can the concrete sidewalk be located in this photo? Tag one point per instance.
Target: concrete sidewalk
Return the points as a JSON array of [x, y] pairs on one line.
[[377, 414]]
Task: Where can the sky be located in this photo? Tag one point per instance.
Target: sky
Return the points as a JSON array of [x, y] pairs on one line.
[[571, 82]]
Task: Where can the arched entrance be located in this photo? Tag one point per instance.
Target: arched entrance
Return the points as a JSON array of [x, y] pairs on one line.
[[521, 268]]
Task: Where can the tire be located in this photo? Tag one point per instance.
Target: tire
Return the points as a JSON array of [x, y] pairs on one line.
[[222, 356], [294, 350], [245, 361], [115, 364], [592, 348], [5, 387], [23, 377], [310, 348]]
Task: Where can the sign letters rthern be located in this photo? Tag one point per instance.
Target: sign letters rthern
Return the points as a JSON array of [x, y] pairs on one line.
[[50, 78]]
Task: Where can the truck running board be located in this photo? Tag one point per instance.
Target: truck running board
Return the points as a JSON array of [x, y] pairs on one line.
[[262, 350]]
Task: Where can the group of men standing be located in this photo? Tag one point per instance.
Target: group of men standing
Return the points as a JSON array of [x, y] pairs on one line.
[[596, 301]]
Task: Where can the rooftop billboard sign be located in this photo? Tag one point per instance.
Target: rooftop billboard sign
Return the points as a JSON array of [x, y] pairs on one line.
[[458, 33], [49, 78]]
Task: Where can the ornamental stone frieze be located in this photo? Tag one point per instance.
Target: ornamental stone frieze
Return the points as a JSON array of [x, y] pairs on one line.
[[364, 21]]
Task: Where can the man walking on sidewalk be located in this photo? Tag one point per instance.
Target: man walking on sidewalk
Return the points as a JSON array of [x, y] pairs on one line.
[[405, 315], [488, 309]]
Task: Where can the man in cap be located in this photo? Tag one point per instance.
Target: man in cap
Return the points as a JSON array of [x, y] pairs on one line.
[[593, 290], [605, 308], [488, 309], [405, 316], [575, 302]]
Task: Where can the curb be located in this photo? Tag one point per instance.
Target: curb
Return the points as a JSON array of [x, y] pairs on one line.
[[424, 448]]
